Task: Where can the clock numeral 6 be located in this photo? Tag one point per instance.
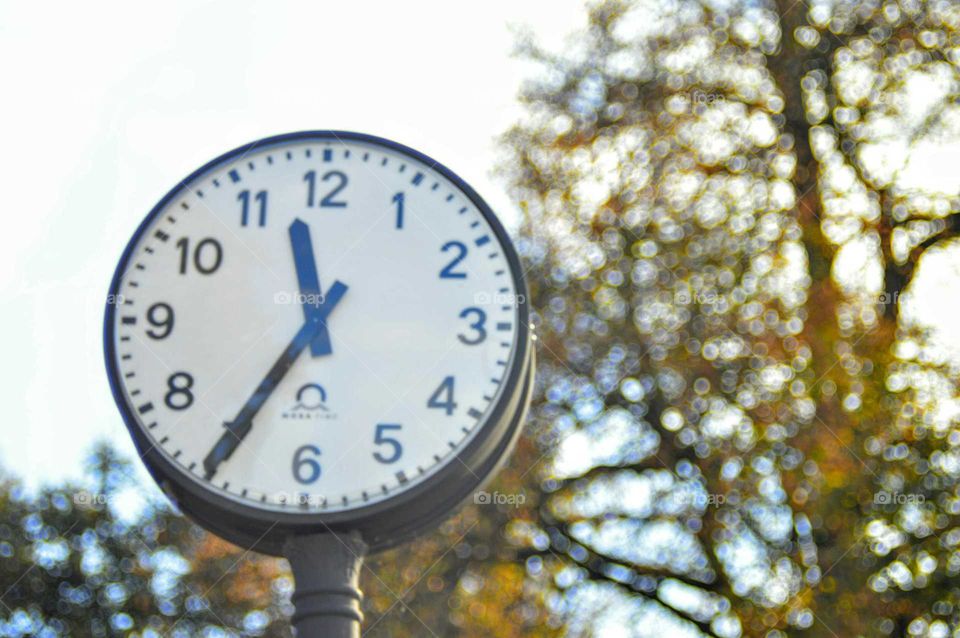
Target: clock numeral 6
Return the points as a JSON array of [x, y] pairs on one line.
[[207, 255], [460, 251], [380, 438], [478, 326], [306, 469], [330, 201], [179, 396], [160, 316], [261, 199], [442, 398]]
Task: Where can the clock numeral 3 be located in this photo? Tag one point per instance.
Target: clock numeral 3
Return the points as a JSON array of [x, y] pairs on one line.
[[330, 201], [260, 198], [207, 255], [442, 398], [461, 252], [179, 396], [160, 316], [306, 469], [380, 438], [478, 326]]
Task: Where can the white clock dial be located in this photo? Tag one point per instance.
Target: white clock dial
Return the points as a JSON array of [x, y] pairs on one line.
[[315, 325]]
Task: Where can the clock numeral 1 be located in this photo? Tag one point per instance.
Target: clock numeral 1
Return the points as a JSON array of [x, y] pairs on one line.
[[261, 199], [380, 438], [398, 200], [306, 469], [179, 395], [442, 398], [207, 255]]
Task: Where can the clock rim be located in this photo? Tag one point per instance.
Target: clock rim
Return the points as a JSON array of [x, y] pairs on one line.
[[266, 529]]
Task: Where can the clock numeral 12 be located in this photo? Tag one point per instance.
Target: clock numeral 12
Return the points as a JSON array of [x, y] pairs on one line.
[[330, 201]]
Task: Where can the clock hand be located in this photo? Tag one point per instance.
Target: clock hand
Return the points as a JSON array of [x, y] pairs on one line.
[[238, 429], [309, 282]]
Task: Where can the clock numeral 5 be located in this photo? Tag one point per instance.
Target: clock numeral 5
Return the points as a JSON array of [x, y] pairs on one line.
[[261, 199], [179, 395], [306, 469], [207, 255], [160, 316], [442, 398], [380, 438], [448, 271], [340, 180]]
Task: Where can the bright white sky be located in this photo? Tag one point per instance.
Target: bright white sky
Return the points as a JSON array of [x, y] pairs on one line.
[[106, 108]]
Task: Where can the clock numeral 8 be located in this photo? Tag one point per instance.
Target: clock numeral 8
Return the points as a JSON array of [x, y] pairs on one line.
[[306, 470], [179, 396]]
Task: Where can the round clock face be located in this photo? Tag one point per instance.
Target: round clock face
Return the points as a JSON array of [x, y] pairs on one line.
[[315, 323]]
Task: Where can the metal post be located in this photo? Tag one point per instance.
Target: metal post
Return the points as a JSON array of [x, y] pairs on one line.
[[326, 573]]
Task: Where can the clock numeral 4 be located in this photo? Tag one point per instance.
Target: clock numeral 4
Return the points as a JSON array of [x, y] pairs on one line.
[[339, 181], [160, 316], [207, 255], [261, 201], [306, 467], [460, 251], [442, 398], [179, 395], [395, 447]]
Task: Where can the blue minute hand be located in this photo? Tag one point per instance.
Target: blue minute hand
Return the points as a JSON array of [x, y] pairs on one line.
[[238, 429], [306, 265]]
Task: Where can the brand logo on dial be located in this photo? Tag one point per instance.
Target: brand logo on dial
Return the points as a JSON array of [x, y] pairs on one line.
[[310, 403]]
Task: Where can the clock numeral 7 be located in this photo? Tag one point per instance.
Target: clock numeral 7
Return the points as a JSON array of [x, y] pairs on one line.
[[442, 398], [380, 438]]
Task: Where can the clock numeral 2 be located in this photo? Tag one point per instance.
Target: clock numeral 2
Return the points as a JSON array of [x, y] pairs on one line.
[[179, 395], [207, 255], [260, 198], [380, 438], [306, 469], [330, 201], [442, 398], [448, 271]]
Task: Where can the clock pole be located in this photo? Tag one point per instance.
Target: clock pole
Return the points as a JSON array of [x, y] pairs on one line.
[[326, 573]]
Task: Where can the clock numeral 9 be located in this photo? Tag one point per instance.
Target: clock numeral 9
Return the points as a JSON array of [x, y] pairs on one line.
[[261, 199], [160, 316], [477, 326], [179, 396], [448, 271], [330, 201], [306, 469], [207, 255], [442, 398], [380, 438]]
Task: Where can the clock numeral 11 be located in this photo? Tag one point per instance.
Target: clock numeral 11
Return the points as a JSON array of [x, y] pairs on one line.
[[261, 200]]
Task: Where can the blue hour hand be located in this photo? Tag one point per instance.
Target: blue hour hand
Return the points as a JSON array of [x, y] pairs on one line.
[[309, 282]]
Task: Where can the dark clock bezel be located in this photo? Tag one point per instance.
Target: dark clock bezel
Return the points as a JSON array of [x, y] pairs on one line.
[[386, 522]]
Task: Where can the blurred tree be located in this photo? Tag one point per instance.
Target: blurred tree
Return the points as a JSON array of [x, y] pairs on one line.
[[725, 204]]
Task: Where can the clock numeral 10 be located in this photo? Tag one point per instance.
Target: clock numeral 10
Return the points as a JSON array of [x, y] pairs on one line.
[[340, 181], [394, 447], [207, 255], [442, 398], [306, 467], [261, 200]]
